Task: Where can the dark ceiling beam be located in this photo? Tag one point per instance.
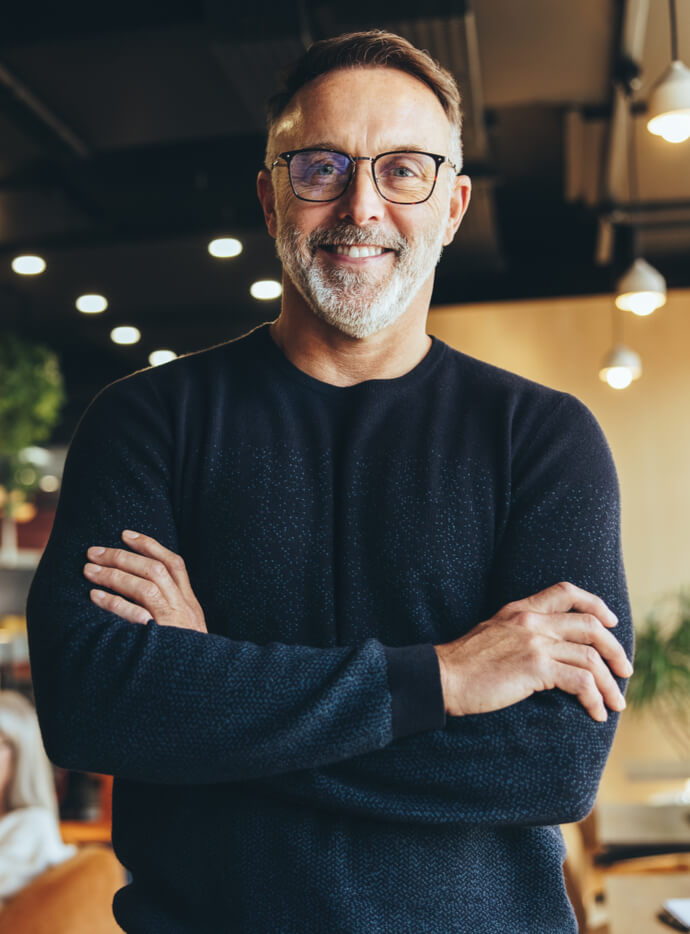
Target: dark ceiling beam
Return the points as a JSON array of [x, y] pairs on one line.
[[41, 112]]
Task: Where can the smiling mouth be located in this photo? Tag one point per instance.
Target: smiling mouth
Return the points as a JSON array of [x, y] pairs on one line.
[[355, 252]]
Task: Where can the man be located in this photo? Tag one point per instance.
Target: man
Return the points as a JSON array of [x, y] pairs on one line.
[[383, 574]]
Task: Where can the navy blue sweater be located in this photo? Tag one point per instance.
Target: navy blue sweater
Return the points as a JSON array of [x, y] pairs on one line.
[[293, 771]]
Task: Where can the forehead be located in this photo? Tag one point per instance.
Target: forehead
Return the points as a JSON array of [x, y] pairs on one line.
[[364, 110]]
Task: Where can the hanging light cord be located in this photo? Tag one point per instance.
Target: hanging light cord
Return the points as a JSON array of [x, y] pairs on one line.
[[633, 193], [674, 31]]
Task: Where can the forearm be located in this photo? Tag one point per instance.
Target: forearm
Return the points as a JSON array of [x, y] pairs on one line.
[[162, 704]]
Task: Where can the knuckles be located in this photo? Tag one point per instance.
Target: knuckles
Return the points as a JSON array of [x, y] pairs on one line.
[[528, 620], [566, 587]]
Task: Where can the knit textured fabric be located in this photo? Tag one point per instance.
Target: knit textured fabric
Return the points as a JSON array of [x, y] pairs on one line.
[[293, 771]]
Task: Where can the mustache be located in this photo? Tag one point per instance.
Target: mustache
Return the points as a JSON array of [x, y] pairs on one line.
[[351, 235]]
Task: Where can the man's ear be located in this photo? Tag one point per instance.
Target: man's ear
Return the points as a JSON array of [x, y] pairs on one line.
[[264, 189], [459, 202]]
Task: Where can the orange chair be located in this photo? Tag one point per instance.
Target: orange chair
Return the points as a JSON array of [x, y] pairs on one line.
[[74, 897]]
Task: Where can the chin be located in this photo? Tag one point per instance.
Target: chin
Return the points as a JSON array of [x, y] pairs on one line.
[[356, 328], [358, 319]]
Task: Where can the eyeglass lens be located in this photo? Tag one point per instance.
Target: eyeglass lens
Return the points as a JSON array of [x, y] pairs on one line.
[[403, 177]]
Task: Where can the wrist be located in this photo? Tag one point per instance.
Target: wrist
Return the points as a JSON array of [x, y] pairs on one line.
[[444, 674]]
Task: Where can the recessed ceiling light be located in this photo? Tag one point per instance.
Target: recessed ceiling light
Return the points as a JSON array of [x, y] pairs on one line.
[[223, 247], [125, 335], [156, 357], [266, 289], [28, 265], [92, 304]]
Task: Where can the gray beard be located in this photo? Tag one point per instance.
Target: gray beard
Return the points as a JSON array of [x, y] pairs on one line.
[[354, 302]]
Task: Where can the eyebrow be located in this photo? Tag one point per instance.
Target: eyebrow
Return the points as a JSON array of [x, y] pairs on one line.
[[323, 144]]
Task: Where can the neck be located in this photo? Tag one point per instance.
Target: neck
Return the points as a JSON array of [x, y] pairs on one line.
[[324, 352]]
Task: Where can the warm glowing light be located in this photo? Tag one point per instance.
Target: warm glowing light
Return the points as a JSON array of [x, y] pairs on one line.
[[156, 357], [24, 512], [641, 289], [92, 304], [669, 104], [673, 127], [224, 247], [28, 265], [266, 289], [125, 335], [49, 483], [618, 377], [640, 303], [620, 367]]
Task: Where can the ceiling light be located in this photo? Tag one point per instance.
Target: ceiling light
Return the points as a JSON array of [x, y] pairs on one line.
[[125, 335], [669, 104], [223, 247], [641, 289], [91, 304], [266, 289], [28, 265], [620, 367], [156, 357]]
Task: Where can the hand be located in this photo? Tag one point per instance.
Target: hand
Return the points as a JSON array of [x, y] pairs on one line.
[[532, 645], [155, 580]]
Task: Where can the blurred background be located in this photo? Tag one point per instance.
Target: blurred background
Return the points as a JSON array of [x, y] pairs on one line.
[[130, 140]]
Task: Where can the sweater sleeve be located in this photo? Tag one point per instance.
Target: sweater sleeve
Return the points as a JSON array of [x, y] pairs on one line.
[[164, 704], [538, 761]]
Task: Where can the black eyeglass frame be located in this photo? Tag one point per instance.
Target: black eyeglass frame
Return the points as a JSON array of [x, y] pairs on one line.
[[290, 154]]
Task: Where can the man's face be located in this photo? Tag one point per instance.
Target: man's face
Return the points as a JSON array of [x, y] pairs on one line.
[[363, 112]]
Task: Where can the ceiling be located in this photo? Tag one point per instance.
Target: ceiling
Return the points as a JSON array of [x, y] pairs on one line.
[[131, 134]]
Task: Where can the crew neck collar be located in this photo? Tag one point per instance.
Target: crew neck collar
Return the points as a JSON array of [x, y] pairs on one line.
[[393, 384]]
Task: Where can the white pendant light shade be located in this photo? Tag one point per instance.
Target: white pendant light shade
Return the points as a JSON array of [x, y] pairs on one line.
[[669, 104], [642, 289], [620, 367]]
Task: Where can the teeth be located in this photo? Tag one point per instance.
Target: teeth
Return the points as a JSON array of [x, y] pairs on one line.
[[357, 251]]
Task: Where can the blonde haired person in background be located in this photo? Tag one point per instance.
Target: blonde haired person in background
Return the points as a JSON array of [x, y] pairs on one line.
[[30, 838]]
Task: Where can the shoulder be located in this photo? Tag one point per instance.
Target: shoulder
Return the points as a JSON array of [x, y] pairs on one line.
[[522, 407], [497, 383], [199, 378], [225, 358]]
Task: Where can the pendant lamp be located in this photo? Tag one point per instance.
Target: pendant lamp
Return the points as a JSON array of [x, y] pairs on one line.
[[641, 289], [669, 102], [620, 367]]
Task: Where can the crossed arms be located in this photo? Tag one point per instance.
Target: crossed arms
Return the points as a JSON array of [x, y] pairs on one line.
[[525, 691]]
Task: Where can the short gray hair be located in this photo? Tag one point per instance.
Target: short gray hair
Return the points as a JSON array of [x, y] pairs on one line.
[[372, 48]]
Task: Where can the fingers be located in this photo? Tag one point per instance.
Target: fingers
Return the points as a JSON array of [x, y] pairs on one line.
[[146, 593], [587, 659], [155, 580], [174, 563], [582, 684], [564, 596], [120, 606], [587, 630]]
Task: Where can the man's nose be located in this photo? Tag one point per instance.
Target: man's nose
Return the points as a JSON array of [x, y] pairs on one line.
[[361, 202]]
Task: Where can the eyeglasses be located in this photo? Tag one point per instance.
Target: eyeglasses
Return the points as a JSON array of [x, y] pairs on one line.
[[401, 177]]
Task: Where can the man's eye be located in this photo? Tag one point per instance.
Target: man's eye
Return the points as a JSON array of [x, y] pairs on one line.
[[401, 168], [325, 169]]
